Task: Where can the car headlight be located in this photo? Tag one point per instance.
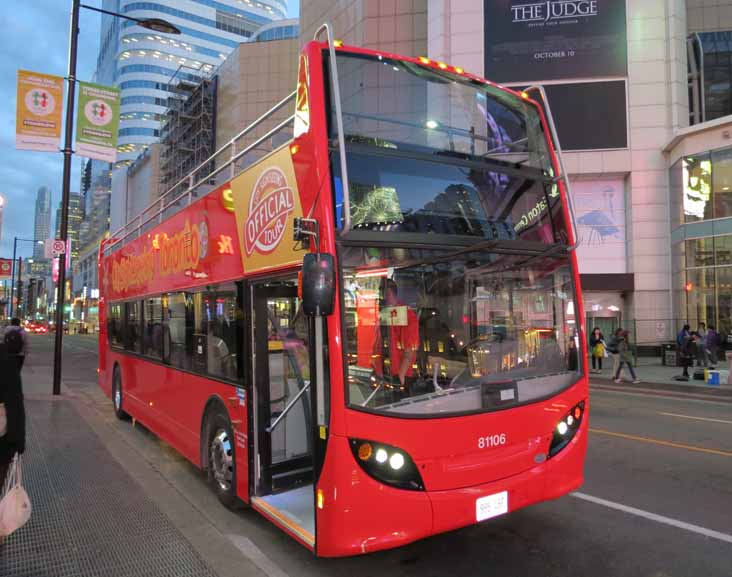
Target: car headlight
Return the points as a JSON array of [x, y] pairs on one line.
[[387, 464], [566, 428]]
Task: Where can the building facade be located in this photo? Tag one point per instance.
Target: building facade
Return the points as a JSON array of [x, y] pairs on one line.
[[150, 65]]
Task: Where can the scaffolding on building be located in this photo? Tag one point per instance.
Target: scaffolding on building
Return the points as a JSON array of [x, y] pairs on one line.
[[188, 134]]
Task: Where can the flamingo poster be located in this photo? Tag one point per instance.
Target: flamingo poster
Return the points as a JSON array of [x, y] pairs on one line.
[[600, 213]]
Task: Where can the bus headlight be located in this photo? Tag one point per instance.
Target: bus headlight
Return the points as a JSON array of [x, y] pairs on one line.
[[387, 464], [566, 428]]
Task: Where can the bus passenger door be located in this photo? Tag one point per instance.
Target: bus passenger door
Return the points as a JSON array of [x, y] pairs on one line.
[[283, 416]]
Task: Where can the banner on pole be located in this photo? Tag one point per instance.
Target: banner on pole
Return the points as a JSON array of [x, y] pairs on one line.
[[38, 111], [97, 119], [6, 268]]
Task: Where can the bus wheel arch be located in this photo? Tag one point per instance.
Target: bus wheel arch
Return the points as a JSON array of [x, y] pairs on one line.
[[218, 452], [117, 393]]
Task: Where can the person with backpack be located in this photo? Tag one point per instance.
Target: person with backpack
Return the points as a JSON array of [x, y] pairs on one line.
[[16, 341]]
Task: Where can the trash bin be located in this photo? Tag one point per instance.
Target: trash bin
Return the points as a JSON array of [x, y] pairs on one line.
[[669, 356]]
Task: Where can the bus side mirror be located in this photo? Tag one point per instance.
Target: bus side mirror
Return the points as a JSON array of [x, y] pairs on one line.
[[318, 284]]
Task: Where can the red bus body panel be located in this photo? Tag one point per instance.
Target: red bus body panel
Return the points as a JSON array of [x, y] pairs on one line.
[[359, 514]]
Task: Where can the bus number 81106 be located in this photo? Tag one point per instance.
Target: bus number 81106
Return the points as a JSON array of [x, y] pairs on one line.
[[491, 441]]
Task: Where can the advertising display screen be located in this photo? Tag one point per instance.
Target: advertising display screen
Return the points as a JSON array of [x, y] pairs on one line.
[[554, 39]]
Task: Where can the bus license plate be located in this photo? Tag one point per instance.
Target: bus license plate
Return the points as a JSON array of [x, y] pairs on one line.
[[491, 506]]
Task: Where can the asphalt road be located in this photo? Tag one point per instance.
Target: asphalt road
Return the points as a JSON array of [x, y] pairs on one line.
[[657, 499]]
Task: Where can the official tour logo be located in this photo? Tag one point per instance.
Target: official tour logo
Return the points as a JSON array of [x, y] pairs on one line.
[[98, 112], [271, 203], [554, 10], [40, 102]]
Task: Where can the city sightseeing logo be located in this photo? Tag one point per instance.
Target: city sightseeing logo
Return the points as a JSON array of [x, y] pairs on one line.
[[98, 112], [40, 102], [554, 10], [271, 203]]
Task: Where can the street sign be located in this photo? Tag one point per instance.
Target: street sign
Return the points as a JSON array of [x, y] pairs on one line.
[[58, 247]]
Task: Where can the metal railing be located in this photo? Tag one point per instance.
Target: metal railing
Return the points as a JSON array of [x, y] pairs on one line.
[[204, 178]]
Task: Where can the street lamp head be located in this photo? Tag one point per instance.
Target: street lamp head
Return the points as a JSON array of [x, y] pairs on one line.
[[158, 25]]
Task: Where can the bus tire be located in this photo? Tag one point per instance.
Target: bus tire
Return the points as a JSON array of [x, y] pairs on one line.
[[222, 460], [117, 398]]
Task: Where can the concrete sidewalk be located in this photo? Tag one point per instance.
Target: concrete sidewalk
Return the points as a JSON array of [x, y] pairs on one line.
[[654, 375], [90, 516]]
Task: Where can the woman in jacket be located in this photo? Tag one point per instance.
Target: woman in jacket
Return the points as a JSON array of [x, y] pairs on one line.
[[597, 349], [11, 396]]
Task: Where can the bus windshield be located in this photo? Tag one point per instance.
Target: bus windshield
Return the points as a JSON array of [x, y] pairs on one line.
[[433, 152], [438, 332]]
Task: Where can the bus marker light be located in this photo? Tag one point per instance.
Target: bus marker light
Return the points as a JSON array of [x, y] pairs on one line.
[[442, 65], [459, 70], [365, 451], [337, 43], [321, 498], [424, 60], [524, 95], [381, 456]]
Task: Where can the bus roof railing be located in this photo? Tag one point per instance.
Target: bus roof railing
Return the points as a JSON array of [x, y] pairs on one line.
[[183, 192]]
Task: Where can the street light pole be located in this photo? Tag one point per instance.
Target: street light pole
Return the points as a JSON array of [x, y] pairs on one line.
[[149, 23], [71, 80]]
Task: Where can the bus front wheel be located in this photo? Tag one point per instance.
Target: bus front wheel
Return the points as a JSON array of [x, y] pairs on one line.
[[222, 461], [117, 397]]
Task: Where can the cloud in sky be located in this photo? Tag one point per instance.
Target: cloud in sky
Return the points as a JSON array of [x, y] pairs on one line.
[[36, 37]]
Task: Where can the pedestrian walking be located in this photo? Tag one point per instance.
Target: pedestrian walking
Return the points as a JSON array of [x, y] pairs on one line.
[[612, 347], [597, 349], [626, 357], [16, 341]]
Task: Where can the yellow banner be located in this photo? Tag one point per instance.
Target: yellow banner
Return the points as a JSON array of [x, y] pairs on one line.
[[38, 112], [266, 202]]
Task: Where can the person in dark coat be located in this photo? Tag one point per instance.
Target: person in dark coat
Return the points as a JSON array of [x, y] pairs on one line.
[[11, 395]]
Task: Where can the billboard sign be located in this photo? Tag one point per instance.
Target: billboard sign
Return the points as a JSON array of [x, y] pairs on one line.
[[38, 111], [97, 119], [554, 39]]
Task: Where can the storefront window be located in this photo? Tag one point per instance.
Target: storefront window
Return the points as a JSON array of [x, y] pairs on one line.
[[701, 297], [700, 252], [724, 299], [723, 250], [722, 182]]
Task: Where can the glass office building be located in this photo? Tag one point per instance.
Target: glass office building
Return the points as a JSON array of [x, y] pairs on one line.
[[147, 66]]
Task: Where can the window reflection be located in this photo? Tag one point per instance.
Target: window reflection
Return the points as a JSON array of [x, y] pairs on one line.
[[442, 334]]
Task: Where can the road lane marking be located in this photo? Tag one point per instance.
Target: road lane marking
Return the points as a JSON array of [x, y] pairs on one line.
[[661, 442], [697, 418], [654, 517]]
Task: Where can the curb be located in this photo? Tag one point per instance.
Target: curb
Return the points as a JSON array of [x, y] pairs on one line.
[[698, 391]]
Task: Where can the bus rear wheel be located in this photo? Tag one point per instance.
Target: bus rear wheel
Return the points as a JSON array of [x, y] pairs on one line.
[[222, 460], [117, 398]]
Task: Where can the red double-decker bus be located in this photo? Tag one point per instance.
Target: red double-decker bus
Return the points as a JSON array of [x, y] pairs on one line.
[[372, 333]]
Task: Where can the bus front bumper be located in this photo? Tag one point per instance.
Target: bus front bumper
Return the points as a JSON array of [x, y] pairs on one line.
[[361, 515]]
